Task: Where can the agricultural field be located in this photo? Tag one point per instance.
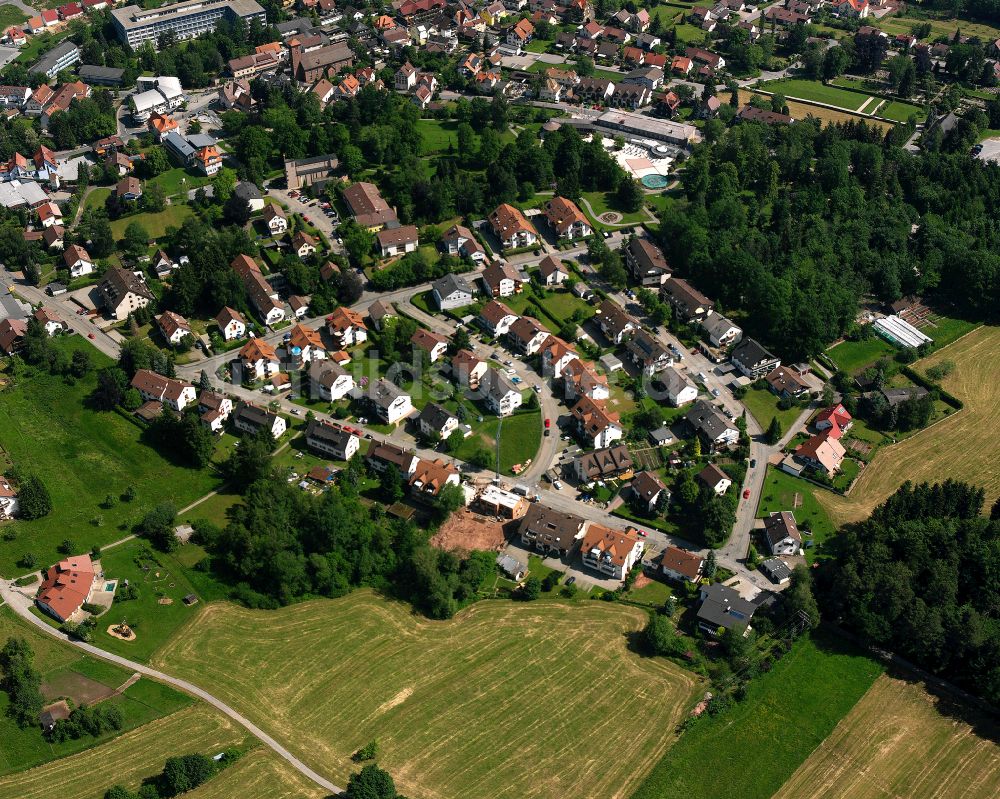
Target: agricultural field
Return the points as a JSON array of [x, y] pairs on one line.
[[258, 774], [782, 491], [83, 456], [817, 92], [955, 447], [128, 759], [939, 27], [458, 707], [875, 750], [750, 751]]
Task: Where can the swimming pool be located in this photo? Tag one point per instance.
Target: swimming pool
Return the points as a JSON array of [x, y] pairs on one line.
[[109, 587], [655, 181]]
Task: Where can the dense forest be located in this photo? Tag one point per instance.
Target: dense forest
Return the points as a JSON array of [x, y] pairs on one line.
[[920, 577], [793, 225]]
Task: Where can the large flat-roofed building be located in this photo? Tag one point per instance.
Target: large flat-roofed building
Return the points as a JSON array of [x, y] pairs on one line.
[[60, 57], [186, 20]]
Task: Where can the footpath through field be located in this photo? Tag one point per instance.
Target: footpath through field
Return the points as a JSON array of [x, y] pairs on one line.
[[21, 605]]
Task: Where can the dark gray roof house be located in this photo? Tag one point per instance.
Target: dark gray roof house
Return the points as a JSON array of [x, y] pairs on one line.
[[753, 360], [722, 606]]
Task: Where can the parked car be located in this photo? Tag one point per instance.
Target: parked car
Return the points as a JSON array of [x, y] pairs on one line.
[[753, 462], [746, 493], [557, 485], [715, 392], [548, 423]]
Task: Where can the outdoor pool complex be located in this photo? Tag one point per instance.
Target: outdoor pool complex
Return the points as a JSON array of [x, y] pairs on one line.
[[654, 181]]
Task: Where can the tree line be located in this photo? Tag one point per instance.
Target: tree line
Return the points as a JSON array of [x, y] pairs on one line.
[[920, 577]]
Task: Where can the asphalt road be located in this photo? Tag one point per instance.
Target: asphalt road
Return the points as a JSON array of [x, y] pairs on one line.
[[20, 604]]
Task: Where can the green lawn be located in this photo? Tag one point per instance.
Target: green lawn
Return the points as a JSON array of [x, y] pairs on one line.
[[780, 492], [561, 304], [855, 356], [763, 404], [520, 437], [602, 202], [654, 594], [436, 134], [816, 91], [539, 45], [900, 111], [11, 15], [155, 224], [752, 749], [168, 576], [82, 455], [97, 197], [176, 180], [940, 27], [687, 33], [212, 509], [947, 329], [60, 665]]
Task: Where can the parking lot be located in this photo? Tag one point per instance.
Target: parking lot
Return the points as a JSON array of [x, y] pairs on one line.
[[991, 150]]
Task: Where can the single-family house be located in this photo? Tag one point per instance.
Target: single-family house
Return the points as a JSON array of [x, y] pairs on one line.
[[231, 324], [397, 241], [346, 327], [329, 381], [434, 344], [680, 565], [552, 271], [305, 344], [722, 608], [496, 318], [721, 331], [712, 425], [123, 292], [614, 322], [78, 261], [648, 354], [467, 369], [596, 425], [275, 219], [386, 456], [379, 312], [822, 452], [836, 419], [429, 477], [437, 422], [679, 388], [389, 402], [716, 479], [649, 491], [501, 279], [526, 335], [50, 321], [451, 291], [252, 419], [303, 245], [258, 360], [66, 586], [459, 241], [215, 409], [262, 294], [782, 533], [12, 333], [786, 383], [173, 327]]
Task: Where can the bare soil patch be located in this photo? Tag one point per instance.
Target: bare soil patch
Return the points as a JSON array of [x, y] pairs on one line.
[[82, 690], [466, 531]]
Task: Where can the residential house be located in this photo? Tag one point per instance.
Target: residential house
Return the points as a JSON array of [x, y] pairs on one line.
[[467, 369], [722, 608], [648, 491], [501, 503], [329, 381], [434, 344], [330, 440], [429, 477], [680, 390], [552, 271], [500, 395], [521, 33], [50, 321], [630, 95], [721, 331], [566, 219], [786, 383], [580, 379], [231, 324], [551, 91], [594, 90], [370, 211], [160, 125], [823, 452], [615, 323], [853, 9], [78, 261], [263, 296], [526, 335], [648, 354], [501, 279], [437, 422], [680, 565], [604, 464], [712, 60], [305, 344], [406, 77], [275, 219], [389, 456], [836, 419], [459, 241], [496, 318], [173, 327], [750, 113], [611, 552], [712, 425], [215, 409], [258, 360], [689, 303], [681, 65], [49, 214], [12, 333], [153, 387], [551, 532], [379, 312], [303, 245], [646, 262], [123, 292], [252, 419], [596, 425], [451, 291], [250, 194], [54, 237], [128, 189], [782, 533], [716, 479], [397, 241], [299, 305], [512, 228], [346, 327], [66, 586], [753, 360], [556, 355], [389, 402]]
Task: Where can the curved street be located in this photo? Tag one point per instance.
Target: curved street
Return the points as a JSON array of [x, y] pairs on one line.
[[21, 605]]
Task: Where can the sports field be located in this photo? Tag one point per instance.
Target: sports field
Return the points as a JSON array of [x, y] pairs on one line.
[[817, 92], [128, 759], [960, 446], [896, 743], [258, 774], [825, 115], [506, 700]]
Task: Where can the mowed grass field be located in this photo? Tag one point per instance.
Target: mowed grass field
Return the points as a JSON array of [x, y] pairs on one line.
[[506, 700], [825, 115], [128, 759], [82, 456], [961, 446], [258, 774], [896, 743], [817, 92], [751, 750]]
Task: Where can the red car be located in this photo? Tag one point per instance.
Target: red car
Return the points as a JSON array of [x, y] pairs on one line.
[[548, 423], [746, 493], [90, 335]]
